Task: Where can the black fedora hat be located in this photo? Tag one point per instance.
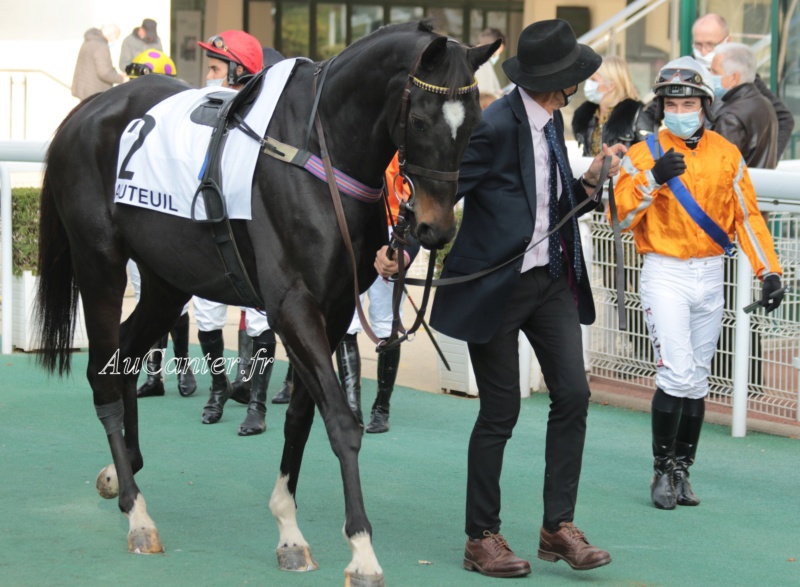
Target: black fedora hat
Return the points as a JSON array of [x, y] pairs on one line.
[[549, 58]]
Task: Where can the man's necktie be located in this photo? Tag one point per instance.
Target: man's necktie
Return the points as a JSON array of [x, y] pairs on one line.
[[559, 164]]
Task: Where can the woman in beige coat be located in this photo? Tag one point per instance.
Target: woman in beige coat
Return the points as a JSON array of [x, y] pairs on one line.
[[94, 71]]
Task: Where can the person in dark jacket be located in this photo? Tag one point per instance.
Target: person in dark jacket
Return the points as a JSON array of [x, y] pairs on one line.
[[612, 109], [142, 38], [708, 33], [744, 116], [516, 182]]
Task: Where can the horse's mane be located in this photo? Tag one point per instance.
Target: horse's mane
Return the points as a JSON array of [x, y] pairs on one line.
[[458, 70]]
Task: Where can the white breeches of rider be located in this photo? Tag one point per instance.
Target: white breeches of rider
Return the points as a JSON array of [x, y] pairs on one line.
[[379, 310], [213, 316], [682, 302], [136, 282]]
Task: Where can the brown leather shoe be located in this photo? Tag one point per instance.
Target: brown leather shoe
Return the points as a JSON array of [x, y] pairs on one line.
[[570, 545], [491, 556]]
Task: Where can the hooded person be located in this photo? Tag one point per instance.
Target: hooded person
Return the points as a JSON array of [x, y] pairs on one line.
[[143, 37]]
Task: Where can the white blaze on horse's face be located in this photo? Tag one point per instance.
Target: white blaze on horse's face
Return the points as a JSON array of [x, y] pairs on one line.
[[453, 115]]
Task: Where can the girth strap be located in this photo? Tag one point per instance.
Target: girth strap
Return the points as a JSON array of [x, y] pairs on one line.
[[210, 189]]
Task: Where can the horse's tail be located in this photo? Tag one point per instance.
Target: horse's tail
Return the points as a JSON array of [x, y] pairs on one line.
[[56, 302]]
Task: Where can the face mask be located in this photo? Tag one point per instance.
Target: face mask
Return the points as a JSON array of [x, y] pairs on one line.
[[568, 98], [590, 89], [211, 83], [494, 59], [704, 59], [716, 83], [682, 125]]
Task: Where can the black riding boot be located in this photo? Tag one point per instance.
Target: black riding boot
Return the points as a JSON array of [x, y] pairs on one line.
[[187, 384], [263, 358], [154, 384], [242, 384], [665, 427], [388, 361], [348, 361], [285, 394], [213, 348], [686, 447]]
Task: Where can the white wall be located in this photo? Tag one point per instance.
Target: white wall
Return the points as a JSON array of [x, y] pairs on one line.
[[46, 35]]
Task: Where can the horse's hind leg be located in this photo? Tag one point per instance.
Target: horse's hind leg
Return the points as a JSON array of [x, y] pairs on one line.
[[112, 376]]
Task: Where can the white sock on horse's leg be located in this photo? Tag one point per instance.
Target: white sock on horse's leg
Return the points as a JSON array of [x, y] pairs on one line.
[[364, 561]]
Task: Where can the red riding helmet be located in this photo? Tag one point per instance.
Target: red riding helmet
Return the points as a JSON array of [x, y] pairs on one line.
[[237, 47]]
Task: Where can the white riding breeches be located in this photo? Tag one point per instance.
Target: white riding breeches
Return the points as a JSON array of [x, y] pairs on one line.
[[213, 316], [380, 309], [682, 302], [136, 282]]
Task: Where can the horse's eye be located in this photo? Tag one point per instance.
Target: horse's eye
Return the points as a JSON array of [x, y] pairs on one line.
[[418, 124]]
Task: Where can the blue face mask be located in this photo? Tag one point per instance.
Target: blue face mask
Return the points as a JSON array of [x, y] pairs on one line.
[[211, 83], [716, 83], [683, 125]]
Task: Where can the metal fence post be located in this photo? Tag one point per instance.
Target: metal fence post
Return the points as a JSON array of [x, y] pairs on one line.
[[744, 287]]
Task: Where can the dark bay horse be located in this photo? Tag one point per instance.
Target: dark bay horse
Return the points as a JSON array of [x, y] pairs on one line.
[[292, 249]]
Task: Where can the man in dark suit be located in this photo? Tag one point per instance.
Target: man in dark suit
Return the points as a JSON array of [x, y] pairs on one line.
[[510, 203]]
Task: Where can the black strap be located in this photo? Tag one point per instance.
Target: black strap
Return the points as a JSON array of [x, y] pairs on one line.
[[210, 189], [619, 258]]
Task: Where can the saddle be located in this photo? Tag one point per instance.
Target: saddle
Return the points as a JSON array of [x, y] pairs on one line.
[[223, 112]]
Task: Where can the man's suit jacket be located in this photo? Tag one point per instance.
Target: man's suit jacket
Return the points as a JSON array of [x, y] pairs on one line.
[[497, 182]]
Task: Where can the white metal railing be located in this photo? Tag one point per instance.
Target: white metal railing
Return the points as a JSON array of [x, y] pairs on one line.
[[12, 151], [626, 356]]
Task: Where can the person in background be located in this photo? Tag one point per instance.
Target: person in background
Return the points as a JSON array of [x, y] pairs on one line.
[[612, 109], [141, 38], [488, 84], [743, 115], [682, 274], [233, 58], [517, 186], [709, 32], [94, 71]]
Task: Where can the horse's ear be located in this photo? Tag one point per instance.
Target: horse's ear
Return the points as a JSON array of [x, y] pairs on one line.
[[477, 56], [434, 54]]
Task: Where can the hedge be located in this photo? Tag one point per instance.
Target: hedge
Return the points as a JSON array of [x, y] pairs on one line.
[[25, 229]]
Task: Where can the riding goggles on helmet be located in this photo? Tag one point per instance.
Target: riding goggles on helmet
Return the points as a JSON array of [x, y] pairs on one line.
[[137, 69], [677, 76], [218, 42], [681, 83]]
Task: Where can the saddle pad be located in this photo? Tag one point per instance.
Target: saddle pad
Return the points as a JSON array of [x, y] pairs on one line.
[[162, 154]]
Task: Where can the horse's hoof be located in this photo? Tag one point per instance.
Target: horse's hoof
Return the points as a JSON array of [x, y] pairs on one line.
[[295, 558], [145, 541], [107, 483], [358, 580]]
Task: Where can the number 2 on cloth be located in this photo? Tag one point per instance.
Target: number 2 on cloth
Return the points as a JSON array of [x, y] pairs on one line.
[[147, 127]]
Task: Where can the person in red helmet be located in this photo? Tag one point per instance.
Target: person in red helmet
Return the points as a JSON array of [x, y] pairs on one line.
[[233, 58]]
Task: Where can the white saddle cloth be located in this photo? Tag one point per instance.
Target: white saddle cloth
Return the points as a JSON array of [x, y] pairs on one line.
[[161, 155]]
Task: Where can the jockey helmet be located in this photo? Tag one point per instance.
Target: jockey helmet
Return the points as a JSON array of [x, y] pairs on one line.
[[151, 61], [683, 78], [237, 48]]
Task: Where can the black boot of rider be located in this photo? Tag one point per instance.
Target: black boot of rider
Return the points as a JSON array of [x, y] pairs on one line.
[[243, 382], [665, 414], [263, 358], [213, 347], [187, 383], [285, 394], [154, 384], [348, 361], [388, 362], [686, 447]]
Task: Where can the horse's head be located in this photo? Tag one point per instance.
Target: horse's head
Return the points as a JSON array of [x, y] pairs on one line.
[[439, 110]]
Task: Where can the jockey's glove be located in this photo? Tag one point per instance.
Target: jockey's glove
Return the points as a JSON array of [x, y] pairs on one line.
[[769, 299], [669, 165]]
